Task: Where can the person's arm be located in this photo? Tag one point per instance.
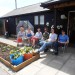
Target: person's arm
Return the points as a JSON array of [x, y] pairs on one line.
[[24, 35], [41, 35], [32, 33], [35, 34], [55, 38], [59, 38], [18, 35], [49, 38], [67, 40], [49, 35]]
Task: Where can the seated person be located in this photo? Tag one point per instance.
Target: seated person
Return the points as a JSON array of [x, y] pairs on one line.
[[36, 37], [29, 34], [63, 39], [49, 42], [21, 34], [45, 34]]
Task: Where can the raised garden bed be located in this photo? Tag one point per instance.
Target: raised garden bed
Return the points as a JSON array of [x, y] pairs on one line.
[[5, 53]]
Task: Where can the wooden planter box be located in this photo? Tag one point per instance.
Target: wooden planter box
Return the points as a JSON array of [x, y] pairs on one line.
[[22, 65]]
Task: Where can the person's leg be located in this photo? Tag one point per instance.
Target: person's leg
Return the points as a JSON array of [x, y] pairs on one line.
[[33, 44], [41, 42], [47, 47], [56, 45], [43, 47], [33, 40], [29, 40]]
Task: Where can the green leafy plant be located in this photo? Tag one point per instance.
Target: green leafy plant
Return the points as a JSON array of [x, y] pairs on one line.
[[5, 47], [18, 52], [28, 49]]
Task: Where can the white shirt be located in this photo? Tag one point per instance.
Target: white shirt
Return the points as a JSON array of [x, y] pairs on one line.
[[38, 35], [21, 34], [52, 37]]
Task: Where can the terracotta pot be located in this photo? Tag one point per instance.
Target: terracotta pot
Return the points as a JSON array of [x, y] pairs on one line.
[[28, 56]]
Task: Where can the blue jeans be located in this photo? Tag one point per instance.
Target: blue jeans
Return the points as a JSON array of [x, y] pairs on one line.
[[44, 45]]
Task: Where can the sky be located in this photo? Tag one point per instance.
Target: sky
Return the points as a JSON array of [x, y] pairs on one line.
[[9, 5]]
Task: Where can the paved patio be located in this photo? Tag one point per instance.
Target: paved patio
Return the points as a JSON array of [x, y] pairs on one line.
[[48, 64]]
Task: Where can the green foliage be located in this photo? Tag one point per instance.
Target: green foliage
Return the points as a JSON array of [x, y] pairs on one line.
[[5, 48], [16, 53], [28, 49], [19, 52]]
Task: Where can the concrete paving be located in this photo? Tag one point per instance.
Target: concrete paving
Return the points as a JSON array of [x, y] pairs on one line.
[[48, 64], [8, 41], [3, 72]]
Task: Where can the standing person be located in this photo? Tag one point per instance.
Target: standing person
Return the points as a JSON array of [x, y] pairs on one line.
[[49, 42], [29, 34], [21, 34], [6, 34], [37, 37]]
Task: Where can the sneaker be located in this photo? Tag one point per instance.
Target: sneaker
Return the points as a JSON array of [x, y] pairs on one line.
[[37, 51], [51, 50], [45, 50]]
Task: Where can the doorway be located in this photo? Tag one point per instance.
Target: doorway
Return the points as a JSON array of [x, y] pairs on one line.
[[71, 29]]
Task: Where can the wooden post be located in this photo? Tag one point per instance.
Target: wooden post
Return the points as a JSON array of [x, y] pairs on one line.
[[68, 32]]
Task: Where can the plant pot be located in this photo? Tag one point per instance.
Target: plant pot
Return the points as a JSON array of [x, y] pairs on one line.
[[16, 61], [28, 56]]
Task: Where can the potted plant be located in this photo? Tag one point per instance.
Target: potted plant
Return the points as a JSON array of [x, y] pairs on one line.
[[28, 52], [16, 57]]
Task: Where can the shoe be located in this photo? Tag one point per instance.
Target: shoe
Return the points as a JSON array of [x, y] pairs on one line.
[[45, 50], [56, 53], [52, 50], [37, 51]]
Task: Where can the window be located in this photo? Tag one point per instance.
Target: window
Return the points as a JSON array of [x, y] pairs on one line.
[[36, 20], [42, 20]]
